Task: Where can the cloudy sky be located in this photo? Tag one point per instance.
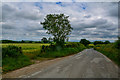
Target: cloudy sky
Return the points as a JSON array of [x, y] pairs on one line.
[[90, 20]]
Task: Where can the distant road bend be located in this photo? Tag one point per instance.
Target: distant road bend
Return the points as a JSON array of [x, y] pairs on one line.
[[86, 64]]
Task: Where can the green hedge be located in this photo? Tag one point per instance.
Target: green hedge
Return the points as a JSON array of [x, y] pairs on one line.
[[57, 51]]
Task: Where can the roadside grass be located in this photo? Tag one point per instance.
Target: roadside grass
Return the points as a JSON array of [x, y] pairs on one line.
[[31, 52], [13, 58], [10, 64], [110, 51], [32, 55]]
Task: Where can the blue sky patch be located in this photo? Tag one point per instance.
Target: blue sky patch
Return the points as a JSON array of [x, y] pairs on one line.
[[60, 3], [73, 1], [38, 5], [83, 6]]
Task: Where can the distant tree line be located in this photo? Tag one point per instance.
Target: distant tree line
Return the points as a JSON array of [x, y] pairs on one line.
[[101, 42], [43, 40], [22, 41], [50, 40], [86, 42]]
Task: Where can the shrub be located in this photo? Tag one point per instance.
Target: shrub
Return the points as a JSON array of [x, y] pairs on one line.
[[117, 44], [54, 51], [13, 58], [73, 44], [11, 51]]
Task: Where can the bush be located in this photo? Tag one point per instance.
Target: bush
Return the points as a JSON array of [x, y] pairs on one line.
[[53, 51], [11, 51], [13, 58], [117, 44], [73, 44]]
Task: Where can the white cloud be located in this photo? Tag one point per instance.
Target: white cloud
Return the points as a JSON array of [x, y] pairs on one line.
[[96, 20], [59, 0]]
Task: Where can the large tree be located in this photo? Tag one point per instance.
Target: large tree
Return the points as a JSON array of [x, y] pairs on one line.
[[44, 40], [59, 26], [107, 42], [85, 42]]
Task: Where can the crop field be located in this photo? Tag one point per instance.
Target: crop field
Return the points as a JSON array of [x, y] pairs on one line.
[[31, 50], [27, 47]]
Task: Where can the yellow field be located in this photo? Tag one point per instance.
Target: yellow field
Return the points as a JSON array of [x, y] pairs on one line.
[[27, 47], [91, 45]]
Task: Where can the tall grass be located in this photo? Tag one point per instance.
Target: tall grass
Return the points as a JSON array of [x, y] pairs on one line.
[[10, 63]]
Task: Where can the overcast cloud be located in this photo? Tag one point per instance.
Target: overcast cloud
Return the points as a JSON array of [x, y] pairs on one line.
[[90, 20]]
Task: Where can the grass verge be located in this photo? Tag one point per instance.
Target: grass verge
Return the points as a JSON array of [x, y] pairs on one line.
[[110, 51], [10, 64]]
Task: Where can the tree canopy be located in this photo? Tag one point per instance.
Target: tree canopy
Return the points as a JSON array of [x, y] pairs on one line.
[[98, 42], [85, 42], [59, 26], [107, 42], [117, 44], [44, 40]]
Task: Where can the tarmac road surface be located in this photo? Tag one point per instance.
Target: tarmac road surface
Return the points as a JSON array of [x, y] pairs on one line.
[[86, 64]]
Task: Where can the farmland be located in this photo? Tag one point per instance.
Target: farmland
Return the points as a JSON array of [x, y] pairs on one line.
[[27, 47], [30, 52]]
